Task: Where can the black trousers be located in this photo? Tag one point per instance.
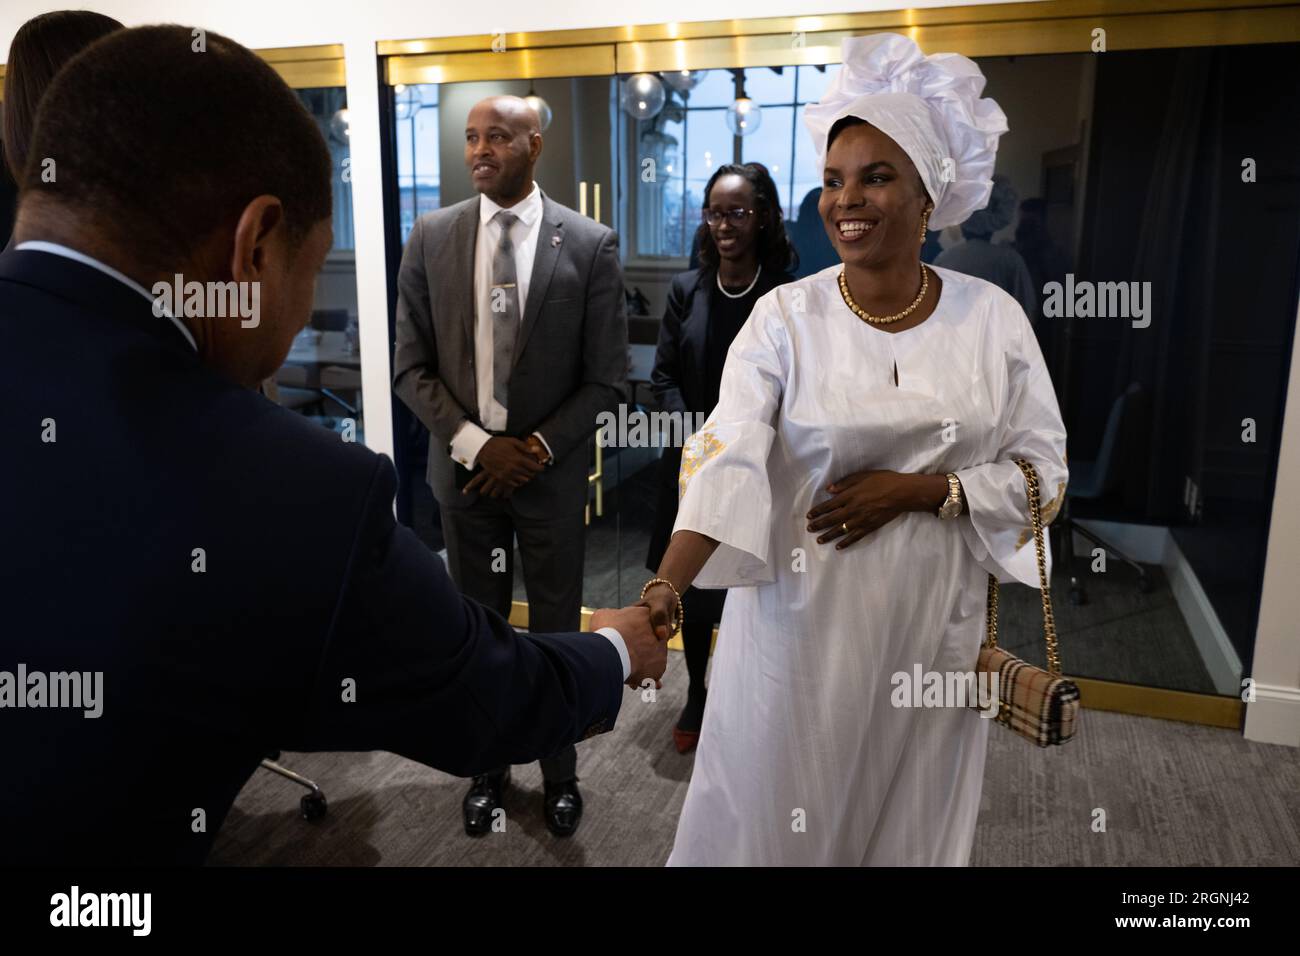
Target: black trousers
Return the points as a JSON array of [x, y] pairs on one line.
[[480, 555]]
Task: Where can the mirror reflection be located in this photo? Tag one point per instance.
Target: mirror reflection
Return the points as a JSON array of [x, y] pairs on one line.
[[321, 377]]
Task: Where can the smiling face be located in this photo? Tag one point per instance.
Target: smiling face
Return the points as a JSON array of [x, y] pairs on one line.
[[502, 144], [734, 240], [872, 199]]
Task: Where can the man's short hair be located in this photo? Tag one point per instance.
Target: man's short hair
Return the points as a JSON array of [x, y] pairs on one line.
[[159, 145]]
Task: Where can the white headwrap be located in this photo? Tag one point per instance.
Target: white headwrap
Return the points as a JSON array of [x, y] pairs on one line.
[[929, 105]]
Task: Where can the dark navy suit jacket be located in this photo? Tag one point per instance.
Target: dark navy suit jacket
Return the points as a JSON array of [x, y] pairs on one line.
[[310, 593]]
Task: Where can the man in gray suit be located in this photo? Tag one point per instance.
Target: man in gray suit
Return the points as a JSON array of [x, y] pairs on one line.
[[511, 339]]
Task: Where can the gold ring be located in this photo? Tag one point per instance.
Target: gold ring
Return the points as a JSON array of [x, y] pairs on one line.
[[845, 526]]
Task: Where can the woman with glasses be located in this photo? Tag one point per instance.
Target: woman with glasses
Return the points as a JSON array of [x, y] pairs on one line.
[[744, 253]]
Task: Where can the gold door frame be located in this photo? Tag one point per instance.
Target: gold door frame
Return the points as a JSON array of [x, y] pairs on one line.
[[1056, 26], [307, 67]]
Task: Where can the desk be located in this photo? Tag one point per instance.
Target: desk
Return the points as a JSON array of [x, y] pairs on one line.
[[331, 348], [323, 362]]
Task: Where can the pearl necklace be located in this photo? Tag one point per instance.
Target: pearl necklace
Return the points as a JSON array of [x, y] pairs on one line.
[[865, 316], [748, 288]]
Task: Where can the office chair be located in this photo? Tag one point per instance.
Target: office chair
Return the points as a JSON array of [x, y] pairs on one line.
[[329, 320], [1090, 480], [313, 803]]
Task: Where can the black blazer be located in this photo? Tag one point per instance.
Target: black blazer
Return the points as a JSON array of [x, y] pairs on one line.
[[307, 588], [680, 380]]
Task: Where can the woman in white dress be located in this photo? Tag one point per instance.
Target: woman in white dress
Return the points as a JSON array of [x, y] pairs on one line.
[[849, 418]]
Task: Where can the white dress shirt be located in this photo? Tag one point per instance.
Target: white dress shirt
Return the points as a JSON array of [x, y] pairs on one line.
[[470, 437], [620, 645], [53, 248]]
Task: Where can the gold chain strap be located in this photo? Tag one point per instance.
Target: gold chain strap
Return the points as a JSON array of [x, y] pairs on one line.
[[1044, 586]]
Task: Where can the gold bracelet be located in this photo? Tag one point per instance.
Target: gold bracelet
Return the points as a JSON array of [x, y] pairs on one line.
[[677, 611]]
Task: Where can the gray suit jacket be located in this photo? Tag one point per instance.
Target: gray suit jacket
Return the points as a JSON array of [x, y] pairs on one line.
[[570, 359]]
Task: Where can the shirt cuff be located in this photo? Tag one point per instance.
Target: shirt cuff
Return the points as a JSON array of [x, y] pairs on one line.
[[467, 442], [546, 446], [616, 639]]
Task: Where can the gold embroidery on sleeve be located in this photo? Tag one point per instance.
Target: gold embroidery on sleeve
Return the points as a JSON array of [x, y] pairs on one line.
[[1049, 512], [1053, 506], [699, 448]]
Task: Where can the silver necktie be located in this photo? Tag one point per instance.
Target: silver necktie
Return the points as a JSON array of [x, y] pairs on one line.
[[504, 304]]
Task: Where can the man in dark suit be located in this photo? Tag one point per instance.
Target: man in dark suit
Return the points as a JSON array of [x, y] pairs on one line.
[[511, 339], [192, 576]]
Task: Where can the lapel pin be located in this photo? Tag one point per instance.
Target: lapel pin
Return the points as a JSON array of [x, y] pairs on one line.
[[555, 240]]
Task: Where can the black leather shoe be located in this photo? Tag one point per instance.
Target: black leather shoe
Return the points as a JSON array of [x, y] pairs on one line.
[[484, 796], [563, 807]]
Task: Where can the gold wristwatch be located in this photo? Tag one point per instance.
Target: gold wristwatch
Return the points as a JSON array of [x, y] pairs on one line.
[[953, 504]]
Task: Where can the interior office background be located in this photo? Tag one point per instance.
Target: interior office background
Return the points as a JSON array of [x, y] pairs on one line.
[[1211, 513]]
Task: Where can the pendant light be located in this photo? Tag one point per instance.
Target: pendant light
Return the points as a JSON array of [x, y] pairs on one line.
[[540, 107], [642, 96], [744, 116]]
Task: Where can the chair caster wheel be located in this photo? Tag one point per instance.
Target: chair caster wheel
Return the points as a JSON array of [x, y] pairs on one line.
[[313, 806], [1078, 597]]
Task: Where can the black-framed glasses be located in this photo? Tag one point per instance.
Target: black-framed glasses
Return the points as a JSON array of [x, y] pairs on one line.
[[736, 216]]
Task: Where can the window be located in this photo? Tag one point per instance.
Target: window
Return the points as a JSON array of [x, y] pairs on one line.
[[329, 106], [419, 173], [690, 138]]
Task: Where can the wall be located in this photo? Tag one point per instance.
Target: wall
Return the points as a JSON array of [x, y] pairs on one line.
[[336, 285], [1038, 124], [1275, 717]]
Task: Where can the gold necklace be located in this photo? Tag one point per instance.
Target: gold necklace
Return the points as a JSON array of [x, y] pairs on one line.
[[865, 316]]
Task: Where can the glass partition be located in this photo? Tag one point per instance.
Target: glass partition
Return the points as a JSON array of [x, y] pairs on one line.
[[427, 136], [1131, 168], [321, 377]]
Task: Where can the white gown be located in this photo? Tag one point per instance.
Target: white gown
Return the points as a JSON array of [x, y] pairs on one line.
[[802, 759]]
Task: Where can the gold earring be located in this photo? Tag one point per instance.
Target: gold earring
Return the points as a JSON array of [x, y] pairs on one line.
[[925, 219]]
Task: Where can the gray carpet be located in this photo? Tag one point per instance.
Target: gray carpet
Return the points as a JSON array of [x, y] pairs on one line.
[[1174, 795]]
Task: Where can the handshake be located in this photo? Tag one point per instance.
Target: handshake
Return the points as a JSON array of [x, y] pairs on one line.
[[645, 632]]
